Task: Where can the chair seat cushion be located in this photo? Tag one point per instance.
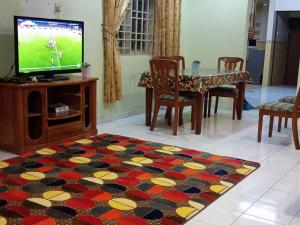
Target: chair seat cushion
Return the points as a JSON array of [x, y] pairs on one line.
[[278, 106], [187, 94], [172, 98], [288, 99], [230, 90]]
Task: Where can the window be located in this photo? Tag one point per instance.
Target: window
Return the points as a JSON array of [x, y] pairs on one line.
[[136, 33]]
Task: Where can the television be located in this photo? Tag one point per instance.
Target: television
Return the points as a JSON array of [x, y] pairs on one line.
[[48, 46]]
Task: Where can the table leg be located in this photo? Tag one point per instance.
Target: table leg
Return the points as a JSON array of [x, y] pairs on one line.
[[241, 86], [199, 112], [149, 95]]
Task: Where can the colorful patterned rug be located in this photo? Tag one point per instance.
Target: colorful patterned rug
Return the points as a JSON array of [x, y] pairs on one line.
[[109, 179]]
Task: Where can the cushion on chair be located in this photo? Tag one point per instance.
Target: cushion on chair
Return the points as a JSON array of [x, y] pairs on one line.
[[187, 94], [172, 98], [278, 106], [288, 99], [224, 89]]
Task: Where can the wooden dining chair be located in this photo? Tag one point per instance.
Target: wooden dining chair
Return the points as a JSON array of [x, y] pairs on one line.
[[280, 110], [181, 65], [166, 87], [179, 59], [287, 99], [230, 64]]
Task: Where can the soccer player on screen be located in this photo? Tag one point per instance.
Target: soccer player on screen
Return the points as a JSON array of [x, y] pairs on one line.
[[52, 60], [51, 42]]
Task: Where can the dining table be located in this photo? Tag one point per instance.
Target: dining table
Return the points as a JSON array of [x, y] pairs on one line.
[[200, 83]]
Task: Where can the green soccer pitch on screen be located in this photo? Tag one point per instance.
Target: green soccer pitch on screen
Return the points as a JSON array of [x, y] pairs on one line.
[[47, 45]]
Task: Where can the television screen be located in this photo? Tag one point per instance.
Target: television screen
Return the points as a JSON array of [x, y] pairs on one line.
[[48, 46]]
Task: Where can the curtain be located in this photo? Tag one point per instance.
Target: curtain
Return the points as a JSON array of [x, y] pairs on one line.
[[114, 12], [167, 27], [251, 31]]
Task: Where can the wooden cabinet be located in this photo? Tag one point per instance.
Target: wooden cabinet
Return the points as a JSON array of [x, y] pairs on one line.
[[27, 122], [34, 111]]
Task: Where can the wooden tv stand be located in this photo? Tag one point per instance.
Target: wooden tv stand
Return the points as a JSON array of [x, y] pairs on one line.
[[26, 122]]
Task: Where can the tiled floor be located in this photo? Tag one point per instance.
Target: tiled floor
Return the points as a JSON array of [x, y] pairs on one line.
[[256, 95], [270, 196]]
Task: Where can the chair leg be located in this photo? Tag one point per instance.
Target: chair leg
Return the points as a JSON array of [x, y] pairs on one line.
[[205, 105], [181, 116], [209, 105], [216, 105], [234, 108], [155, 114], [295, 132], [168, 112], [176, 120], [170, 116], [279, 123], [271, 126], [193, 118], [286, 122], [260, 126]]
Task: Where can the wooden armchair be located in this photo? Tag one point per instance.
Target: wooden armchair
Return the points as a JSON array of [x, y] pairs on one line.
[[281, 110], [167, 94], [230, 64]]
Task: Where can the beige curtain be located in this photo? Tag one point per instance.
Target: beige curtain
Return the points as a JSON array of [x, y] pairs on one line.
[[114, 12], [167, 27], [252, 18]]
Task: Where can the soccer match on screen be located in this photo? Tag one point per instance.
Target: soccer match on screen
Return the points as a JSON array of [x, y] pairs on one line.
[[48, 45]]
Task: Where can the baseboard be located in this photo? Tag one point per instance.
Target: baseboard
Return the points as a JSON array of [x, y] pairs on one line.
[[120, 116]]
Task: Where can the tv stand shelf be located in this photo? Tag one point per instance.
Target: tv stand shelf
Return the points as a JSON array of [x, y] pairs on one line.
[[70, 114], [27, 122]]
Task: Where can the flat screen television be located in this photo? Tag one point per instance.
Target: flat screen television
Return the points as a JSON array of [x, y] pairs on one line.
[[48, 46]]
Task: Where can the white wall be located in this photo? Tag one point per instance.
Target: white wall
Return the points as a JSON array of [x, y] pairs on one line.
[[262, 18], [271, 20], [288, 5], [214, 28]]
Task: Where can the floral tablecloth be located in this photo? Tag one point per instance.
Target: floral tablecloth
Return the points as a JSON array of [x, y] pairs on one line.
[[201, 83]]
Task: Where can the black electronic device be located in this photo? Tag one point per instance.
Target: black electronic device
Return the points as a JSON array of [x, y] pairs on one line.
[[16, 80], [48, 47]]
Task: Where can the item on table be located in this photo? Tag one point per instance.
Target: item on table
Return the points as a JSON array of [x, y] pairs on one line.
[[59, 108]]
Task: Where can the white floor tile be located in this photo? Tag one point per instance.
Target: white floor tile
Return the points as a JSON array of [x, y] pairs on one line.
[[255, 185], [251, 220], [296, 168], [276, 206], [217, 216], [289, 183], [234, 202], [6, 155], [296, 220], [196, 222]]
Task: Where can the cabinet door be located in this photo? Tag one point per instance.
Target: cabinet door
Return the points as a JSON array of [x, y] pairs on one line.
[[89, 106], [35, 108]]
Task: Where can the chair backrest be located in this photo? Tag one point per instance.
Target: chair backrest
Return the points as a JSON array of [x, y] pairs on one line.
[[230, 63], [165, 77], [297, 103], [179, 59]]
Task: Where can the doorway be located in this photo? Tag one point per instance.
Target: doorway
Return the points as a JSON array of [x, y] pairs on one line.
[[286, 53], [293, 53]]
